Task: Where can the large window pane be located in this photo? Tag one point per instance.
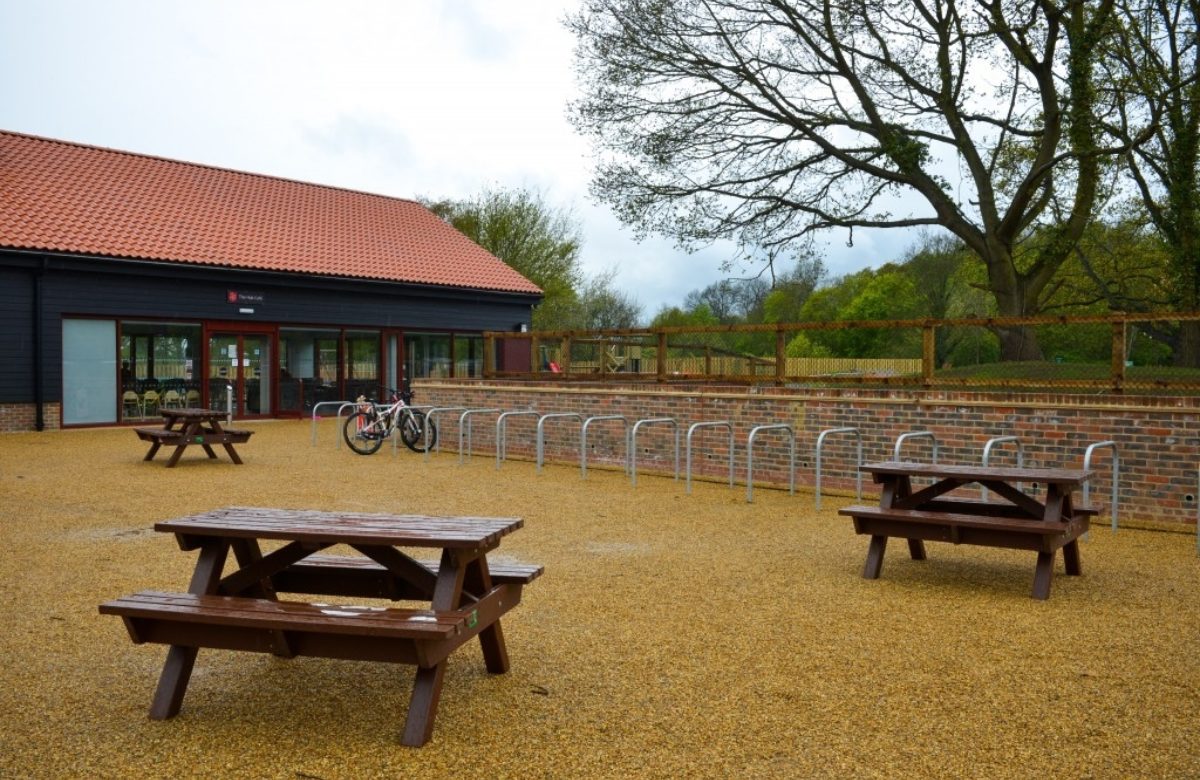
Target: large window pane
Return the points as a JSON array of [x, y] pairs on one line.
[[308, 363], [426, 355], [362, 363], [468, 356], [158, 367], [89, 371]]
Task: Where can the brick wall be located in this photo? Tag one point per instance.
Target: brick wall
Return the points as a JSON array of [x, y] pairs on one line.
[[20, 417], [1157, 437]]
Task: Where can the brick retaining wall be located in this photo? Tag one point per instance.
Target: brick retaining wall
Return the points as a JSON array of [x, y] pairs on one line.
[[1157, 437]]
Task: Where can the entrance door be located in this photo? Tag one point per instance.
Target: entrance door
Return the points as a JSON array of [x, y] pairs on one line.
[[239, 365]]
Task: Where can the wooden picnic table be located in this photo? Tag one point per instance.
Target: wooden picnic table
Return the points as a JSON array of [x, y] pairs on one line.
[[241, 610], [1018, 521], [184, 427]]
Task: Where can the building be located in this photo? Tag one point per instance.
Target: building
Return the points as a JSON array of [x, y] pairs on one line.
[[128, 282]]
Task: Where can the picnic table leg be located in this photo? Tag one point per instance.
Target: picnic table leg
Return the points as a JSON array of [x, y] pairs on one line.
[[229, 450], [1071, 558], [1041, 577], [427, 687], [153, 450], [491, 639], [177, 671], [916, 548], [875, 557]]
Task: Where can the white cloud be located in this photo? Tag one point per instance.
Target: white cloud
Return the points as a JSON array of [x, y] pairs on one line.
[[407, 98]]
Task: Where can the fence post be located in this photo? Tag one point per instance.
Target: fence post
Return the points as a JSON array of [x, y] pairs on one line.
[[662, 357], [1118, 357], [535, 351], [564, 360], [928, 354], [489, 356], [780, 357]]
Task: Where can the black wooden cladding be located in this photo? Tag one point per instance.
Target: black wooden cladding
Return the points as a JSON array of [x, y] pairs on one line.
[[115, 289]]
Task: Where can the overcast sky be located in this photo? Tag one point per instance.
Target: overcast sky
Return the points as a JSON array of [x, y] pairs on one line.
[[409, 98]]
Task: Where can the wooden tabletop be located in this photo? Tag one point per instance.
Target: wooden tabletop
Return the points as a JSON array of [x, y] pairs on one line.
[[191, 413], [974, 473], [345, 527]]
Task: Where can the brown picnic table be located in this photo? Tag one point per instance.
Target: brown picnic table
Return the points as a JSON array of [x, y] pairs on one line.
[[184, 427], [466, 595], [1019, 520]]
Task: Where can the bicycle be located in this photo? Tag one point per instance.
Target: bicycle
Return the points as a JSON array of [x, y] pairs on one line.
[[366, 430]]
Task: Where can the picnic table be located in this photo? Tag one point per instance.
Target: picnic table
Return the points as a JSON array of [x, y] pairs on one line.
[[241, 610], [1018, 521], [184, 427]]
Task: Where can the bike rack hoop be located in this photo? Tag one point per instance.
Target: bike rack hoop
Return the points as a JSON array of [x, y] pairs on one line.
[[430, 425], [750, 457], [987, 453], [631, 448], [692, 429], [583, 440], [465, 422], [502, 430], [318, 405], [1116, 474], [858, 455], [915, 435], [541, 424]]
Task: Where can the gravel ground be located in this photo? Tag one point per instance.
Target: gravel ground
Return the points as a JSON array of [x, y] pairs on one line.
[[671, 635]]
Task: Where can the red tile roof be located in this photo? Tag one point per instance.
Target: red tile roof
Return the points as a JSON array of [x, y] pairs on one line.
[[66, 197]]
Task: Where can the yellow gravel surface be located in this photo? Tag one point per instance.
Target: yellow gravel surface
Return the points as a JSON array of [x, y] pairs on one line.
[[671, 636]]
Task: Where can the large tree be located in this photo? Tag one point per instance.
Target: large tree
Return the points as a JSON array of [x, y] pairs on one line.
[[767, 120], [538, 240], [1153, 68]]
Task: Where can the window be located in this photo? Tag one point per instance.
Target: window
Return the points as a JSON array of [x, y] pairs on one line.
[[308, 363], [426, 355], [89, 371], [362, 363], [159, 367], [468, 356]]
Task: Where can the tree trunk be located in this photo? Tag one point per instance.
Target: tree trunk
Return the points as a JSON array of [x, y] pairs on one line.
[[1187, 347], [1016, 296]]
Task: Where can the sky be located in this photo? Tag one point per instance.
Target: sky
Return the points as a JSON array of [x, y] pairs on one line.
[[408, 98]]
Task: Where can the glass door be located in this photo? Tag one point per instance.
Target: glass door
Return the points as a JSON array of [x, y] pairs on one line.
[[239, 367]]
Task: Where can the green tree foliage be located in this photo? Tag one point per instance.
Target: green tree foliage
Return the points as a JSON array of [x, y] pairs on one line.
[[765, 121], [540, 242]]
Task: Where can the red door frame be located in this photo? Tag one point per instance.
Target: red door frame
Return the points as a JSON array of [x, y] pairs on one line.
[[240, 329]]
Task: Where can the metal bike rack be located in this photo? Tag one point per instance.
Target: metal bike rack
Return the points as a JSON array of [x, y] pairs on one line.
[[396, 428], [858, 455], [1116, 474], [465, 423], [750, 457], [337, 426], [229, 404], [987, 452], [541, 440], [915, 435], [502, 430], [318, 405], [692, 429], [429, 425], [583, 440], [632, 446]]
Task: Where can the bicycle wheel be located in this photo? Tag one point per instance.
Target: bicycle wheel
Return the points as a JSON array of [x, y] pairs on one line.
[[412, 431], [364, 432]]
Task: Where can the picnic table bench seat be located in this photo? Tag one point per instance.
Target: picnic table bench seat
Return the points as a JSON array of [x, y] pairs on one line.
[[288, 628], [346, 575], [937, 525], [169, 436]]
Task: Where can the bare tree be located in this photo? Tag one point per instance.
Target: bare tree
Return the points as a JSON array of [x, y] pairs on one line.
[[767, 120]]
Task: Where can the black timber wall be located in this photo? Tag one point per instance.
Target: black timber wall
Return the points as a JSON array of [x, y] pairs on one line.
[[83, 287]]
